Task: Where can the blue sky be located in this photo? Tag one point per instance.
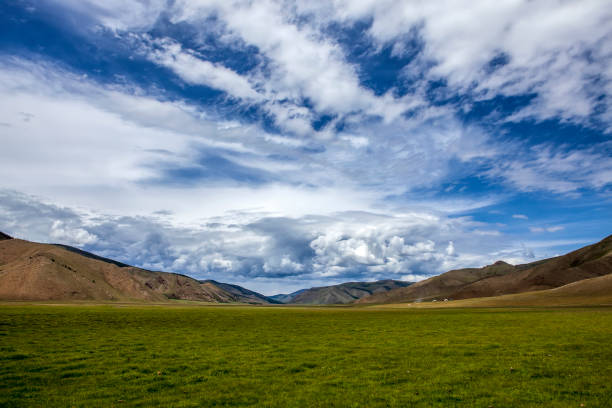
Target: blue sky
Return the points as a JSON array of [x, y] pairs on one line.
[[281, 144]]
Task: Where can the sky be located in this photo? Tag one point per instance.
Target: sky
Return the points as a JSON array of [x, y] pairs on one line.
[[281, 145]]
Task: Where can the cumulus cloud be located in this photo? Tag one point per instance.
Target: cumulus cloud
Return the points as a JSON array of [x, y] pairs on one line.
[[312, 166], [260, 251], [70, 236]]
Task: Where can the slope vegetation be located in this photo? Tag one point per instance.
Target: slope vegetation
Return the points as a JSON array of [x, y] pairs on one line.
[[32, 271]]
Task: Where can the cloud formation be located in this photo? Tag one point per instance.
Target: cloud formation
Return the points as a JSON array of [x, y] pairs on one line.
[[282, 144], [268, 252]]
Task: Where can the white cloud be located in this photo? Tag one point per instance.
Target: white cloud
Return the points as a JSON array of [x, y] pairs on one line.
[[319, 205], [557, 168], [450, 249], [118, 136], [490, 233], [304, 63], [272, 254], [558, 49], [125, 138], [520, 216], [547, 229], [193, 69], [382, 245], [71, 236]]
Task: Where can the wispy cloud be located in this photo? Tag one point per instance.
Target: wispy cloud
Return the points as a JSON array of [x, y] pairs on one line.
[[557, 169], [547, 229], [554, 49], [307, 142], [195, 70]]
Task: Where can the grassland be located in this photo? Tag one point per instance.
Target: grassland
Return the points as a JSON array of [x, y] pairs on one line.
[[185, 356]]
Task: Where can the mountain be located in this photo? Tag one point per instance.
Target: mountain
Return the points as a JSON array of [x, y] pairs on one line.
[[3, 236], [501, 278], [90, 255], [593, 291], [587, 292], [441, 286], [344, 293], [287, 298], [33, 271]]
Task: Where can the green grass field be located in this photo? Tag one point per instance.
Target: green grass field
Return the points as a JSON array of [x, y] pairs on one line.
[[181, 356]]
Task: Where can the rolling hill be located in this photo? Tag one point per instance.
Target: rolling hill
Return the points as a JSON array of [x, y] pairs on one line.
[[43, 272], [501, 278], [586, 292], [33, 271], [343, 293]]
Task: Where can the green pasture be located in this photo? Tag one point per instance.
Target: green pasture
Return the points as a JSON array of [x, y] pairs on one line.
[[188, 356]]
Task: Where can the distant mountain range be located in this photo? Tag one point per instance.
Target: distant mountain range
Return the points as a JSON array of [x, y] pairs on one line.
[[287, 298], [339, 294], [33, 271]]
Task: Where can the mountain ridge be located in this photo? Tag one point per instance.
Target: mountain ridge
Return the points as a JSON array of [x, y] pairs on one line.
[[286, 298], [344, 293], [501, 278], [35, 271]]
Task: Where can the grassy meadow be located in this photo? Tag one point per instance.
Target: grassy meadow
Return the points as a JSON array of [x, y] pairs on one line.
[[188, 356]]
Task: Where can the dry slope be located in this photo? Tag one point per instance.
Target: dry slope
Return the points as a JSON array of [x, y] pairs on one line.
[[501, 278], [32, 271], [587, 292]]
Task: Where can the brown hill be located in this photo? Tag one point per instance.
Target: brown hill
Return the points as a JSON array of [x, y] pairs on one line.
[[593, 291], [344, 293], [501, 278], [441, 286], [32, 271], [3, 236]]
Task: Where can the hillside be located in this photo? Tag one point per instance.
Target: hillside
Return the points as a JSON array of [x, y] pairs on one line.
[[287, 298], [441, 286], [501, 278], [345, 292], [33, 271], [593, 291]]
